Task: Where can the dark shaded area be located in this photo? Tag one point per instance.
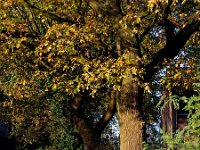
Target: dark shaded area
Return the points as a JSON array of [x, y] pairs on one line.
[[7, 144], [3, 96]]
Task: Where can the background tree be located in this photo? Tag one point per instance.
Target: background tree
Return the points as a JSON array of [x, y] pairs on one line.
[[94, 53], [187, 137]]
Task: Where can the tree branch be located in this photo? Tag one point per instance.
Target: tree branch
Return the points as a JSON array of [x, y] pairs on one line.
[[118, 4], [140, 37], [169, 26], [24, 15], [18, 34], [171, 49], [52, 15], [108, 115]]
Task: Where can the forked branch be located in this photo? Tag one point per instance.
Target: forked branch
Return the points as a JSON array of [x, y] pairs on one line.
[[108, 115], [171, 49]]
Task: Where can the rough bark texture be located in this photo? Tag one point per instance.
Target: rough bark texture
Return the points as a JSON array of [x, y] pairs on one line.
[[129, 114]]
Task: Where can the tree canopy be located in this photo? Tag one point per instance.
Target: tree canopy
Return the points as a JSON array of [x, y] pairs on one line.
[[63, 62]]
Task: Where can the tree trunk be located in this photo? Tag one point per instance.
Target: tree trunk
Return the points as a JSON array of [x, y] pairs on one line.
[[168, 118], [90, 138], [129, 105]]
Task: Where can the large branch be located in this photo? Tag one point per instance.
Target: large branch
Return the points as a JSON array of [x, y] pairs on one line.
[[108, 115], [171, 49], [169, 26]]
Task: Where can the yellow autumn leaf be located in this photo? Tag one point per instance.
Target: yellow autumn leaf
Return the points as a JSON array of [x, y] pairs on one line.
[[24, 82], [54, 87], [177, 76]]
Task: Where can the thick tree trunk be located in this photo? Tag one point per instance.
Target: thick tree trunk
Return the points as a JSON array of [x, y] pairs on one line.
[[131, 124]]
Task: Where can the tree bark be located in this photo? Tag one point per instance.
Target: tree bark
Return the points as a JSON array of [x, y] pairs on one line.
[[91, 140], [91, 135], [129, 106]]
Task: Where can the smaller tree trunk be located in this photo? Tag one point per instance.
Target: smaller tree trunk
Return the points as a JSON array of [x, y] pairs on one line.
[[168, 118], [91, 136], [91, 140]]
